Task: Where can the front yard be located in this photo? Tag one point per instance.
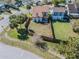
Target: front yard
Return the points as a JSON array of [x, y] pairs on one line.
[[40, 29], [63, 30]]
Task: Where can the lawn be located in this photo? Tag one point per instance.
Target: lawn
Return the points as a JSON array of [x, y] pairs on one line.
[[23, 7], [63, 30], [13, 33], [27, 44], [41, 29]]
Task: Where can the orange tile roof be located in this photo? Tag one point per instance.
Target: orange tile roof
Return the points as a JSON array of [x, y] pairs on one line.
[[38, 10]]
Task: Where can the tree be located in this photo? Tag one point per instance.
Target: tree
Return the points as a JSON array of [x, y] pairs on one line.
[[28, 7], [21, 19], [56, 2], [13, 21], [28, 21], [16, 20], [71, 49]]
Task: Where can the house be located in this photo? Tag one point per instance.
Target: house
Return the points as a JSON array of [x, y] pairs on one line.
[[73, 10], [70, 1], [42, 1], [59, 13], [18, 4], [3, 8], [37, 1], [40, 13]]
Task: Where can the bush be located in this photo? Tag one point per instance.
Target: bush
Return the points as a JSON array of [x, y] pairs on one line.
[[28, 7], [76, 26], [41, 45]]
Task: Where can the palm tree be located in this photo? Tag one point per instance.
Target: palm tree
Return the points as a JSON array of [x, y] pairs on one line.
[[52, 27], [28, 21]]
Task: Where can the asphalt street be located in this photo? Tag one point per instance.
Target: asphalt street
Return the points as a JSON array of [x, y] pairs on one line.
[[8, 52]]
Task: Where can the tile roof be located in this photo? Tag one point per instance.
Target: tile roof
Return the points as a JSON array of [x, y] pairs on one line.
[[38, 10], [58, 9]]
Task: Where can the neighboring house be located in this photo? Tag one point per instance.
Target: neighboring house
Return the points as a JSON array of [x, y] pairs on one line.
[[27, 2], [3, 8], [46, 1], [37, 1], [70, 1], [42, 1], [40, 13], [59, 13], [18, 4], [73, 10]]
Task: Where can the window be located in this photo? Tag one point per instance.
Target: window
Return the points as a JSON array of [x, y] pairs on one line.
[[44, 13], [55, 13]]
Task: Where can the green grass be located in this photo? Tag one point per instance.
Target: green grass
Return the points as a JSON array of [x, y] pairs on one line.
[[29, 47], [26, 45], [63, 30], [22, 8], [13, 33]]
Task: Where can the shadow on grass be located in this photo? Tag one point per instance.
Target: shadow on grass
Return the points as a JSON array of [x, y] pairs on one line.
[[67, 21], [23, 34], [58, 41], [52, 40]]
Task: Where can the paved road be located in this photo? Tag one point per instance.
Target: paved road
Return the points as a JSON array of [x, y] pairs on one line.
[[8, 52], [4, 23]]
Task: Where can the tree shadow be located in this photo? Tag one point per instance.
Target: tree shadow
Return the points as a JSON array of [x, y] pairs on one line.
[[23, 34], [66, 21], [58, 41], [52, 40], [31, 32]]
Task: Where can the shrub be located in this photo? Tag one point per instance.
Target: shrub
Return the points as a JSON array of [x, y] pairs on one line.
[[42, 45], [76, 26]]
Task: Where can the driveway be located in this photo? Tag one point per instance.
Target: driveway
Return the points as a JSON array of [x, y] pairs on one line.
[[4, 22], [8, 52]]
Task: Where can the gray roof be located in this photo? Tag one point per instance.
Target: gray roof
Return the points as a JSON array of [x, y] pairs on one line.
[[73, 8], [59, 9]]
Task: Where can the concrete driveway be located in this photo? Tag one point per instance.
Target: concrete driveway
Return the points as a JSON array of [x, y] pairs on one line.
[[8, 52], [4, 23]]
